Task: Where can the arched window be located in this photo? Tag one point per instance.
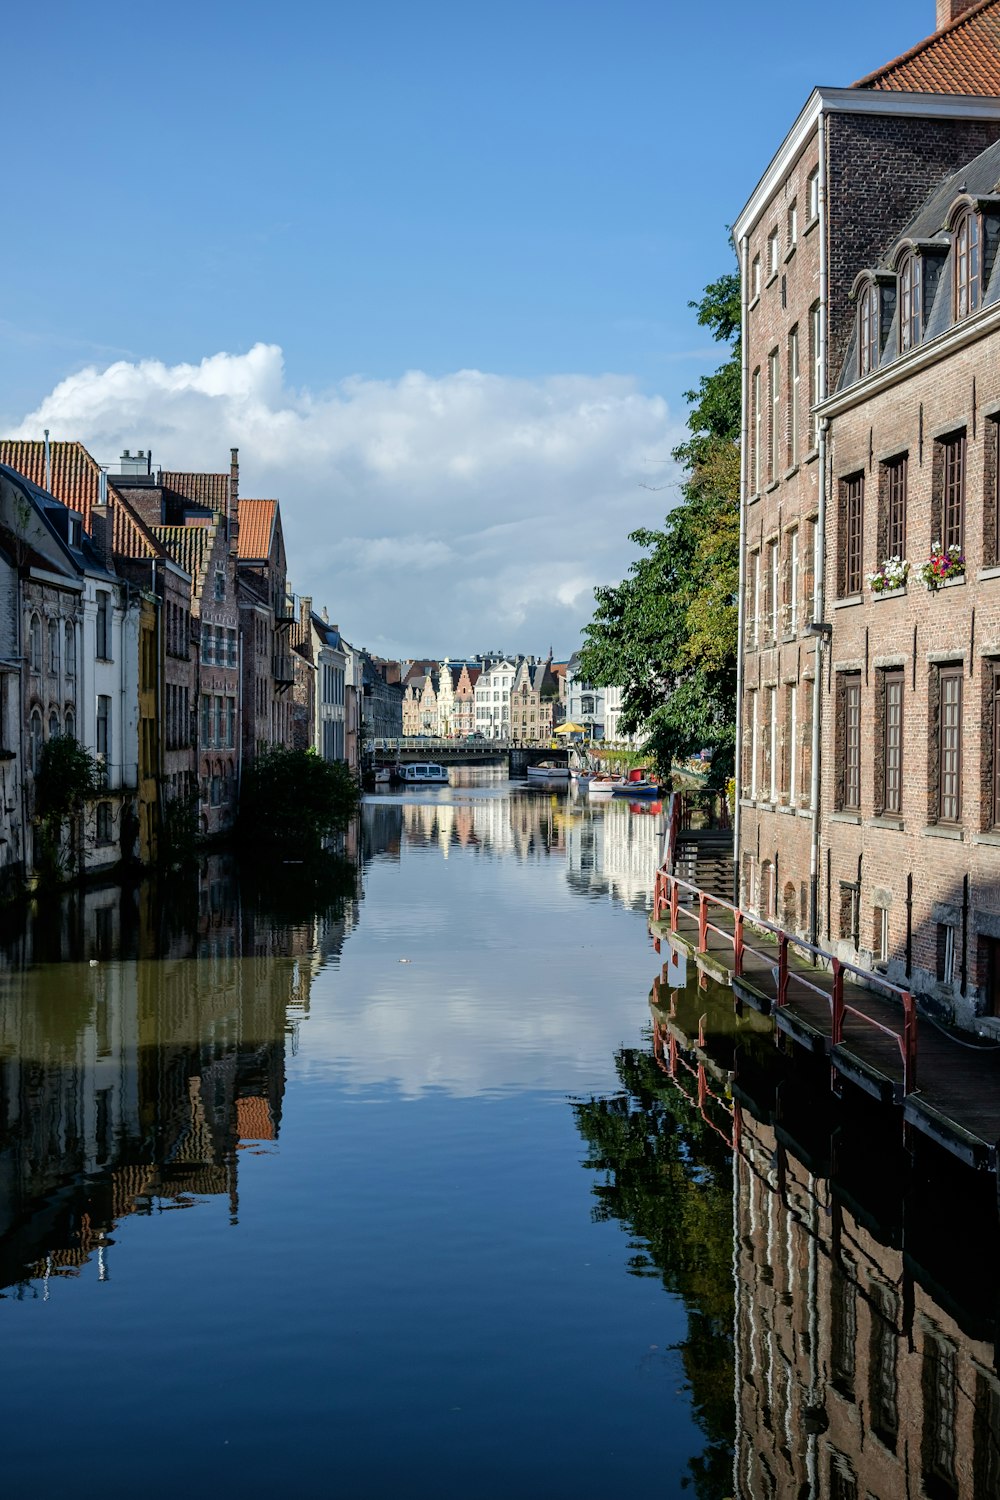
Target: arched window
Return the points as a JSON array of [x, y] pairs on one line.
[[35, 643], [53, 724], [71, 723], [35, 739], [968, 264], [910, 301], [70, 649], [868, 320], [54, 634]]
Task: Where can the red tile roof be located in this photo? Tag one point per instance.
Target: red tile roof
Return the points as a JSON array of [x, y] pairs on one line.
[[256, 519], [200, 489], [961, 58], [76, 482]]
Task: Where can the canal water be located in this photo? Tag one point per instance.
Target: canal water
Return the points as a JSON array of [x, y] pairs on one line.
[[418, 1179]]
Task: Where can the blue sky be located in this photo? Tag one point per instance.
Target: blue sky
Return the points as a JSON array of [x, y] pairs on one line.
[[530, 192]]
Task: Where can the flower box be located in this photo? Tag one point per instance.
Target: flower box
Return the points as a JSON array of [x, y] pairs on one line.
[[891, 577], [943, 566]]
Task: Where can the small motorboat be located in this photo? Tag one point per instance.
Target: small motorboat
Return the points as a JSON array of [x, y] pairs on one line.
[[637, 784], [421, 772], [604, 786], [382, 776], [549, 770], [580, 776]]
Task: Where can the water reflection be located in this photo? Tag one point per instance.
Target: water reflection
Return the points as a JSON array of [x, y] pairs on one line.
[[129, 1083], [611, 848], [865, 1353]]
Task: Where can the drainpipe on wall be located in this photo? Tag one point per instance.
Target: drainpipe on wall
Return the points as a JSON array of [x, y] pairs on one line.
[[741, 586], [819, 563]]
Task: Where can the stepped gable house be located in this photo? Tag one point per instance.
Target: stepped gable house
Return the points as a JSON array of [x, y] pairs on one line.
[[868, 704]]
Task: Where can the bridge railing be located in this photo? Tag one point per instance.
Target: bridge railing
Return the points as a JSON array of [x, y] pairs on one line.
[[419, 742]]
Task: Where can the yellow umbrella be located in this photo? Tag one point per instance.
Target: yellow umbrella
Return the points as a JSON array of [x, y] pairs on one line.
[[570, 729]]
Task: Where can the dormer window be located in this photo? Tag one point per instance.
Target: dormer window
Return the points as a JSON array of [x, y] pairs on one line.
[[968, 264], [910, 301], [875, 292], [868, 328]]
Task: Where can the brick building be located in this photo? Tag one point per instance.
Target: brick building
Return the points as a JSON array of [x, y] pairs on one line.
[[267, 615], [195, 518], [866, 192]]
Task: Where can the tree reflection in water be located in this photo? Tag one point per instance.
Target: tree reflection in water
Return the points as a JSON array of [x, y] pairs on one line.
[[667, 1178]]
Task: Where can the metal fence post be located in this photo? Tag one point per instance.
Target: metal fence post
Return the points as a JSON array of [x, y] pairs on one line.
[[738, 945], [783, 969], [909, 1043], [702, 922], [838, 1003]]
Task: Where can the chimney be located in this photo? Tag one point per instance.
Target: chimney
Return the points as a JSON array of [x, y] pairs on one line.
[[102, 529], [950, 10], [305, 610], [233, 509]]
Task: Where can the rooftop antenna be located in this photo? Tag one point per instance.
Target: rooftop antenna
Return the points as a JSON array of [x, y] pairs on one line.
[[48, 463]]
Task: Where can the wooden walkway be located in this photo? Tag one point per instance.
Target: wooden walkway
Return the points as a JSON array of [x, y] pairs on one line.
[[956, 1100]]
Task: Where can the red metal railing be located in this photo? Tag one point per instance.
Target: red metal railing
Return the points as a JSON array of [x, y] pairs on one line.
[[666, 898], [670, 1059]]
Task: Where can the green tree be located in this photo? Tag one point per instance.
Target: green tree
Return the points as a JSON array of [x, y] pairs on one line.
[[67, 775], [292, 801], [667, 633]]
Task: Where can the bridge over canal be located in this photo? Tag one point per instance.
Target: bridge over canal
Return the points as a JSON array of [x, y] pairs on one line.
[[518, 755]]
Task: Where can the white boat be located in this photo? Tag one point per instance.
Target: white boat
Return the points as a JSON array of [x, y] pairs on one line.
[[549, 770], [637, 789], [422, 772], [604, 786], [580, 776], [383, 776]]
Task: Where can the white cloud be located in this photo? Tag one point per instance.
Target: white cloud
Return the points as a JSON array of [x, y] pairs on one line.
[[430, 514]]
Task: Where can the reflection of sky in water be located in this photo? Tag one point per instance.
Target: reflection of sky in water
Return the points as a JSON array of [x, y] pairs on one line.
[[510, 981], [390, 1279]]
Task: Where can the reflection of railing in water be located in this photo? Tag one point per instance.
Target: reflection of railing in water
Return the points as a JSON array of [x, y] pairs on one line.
[[664, 1039], [829, 972]]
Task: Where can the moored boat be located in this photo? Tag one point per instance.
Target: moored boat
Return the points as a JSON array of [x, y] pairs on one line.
[[549, 770], [421, 773], [604, 786]]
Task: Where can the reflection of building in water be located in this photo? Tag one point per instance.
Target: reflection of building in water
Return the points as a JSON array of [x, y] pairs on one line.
[[127, 1083], [852, 1379], [614, 849], [527, 825]]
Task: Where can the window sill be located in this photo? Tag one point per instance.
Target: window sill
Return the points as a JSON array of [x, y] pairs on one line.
[[771, 279], [849, 601], [986, 573], [808, 228], [846, 817], [790, 254], [990, 836], [754, 302], [811, 456], [752, 499], [887, 594], [772, 486], [886, 820], [791, 473], [943, 831]]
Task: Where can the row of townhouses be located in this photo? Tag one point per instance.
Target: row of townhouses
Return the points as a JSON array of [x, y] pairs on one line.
[[501, 697], [147, 614], [868, 778]]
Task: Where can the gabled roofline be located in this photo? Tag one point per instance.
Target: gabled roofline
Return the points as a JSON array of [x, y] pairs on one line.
[[852, 101]]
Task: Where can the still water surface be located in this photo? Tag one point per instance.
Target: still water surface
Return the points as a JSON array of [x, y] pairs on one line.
[[311, 1204], [423, 1184]]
